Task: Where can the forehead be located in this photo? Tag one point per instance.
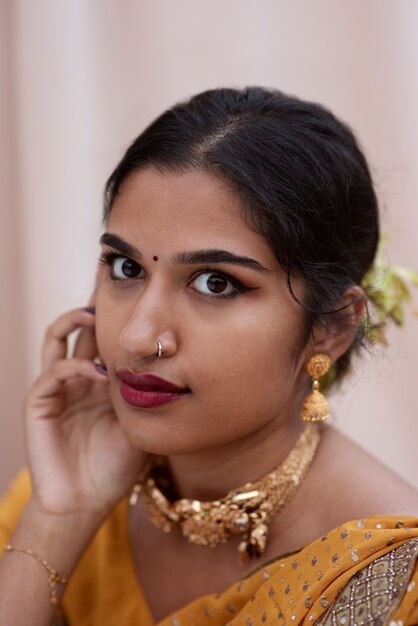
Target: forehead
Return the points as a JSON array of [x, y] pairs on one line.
[[186, 211]]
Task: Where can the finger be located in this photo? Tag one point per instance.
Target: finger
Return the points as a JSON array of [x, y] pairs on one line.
[[85, 345], [55, 343], [46, 394]]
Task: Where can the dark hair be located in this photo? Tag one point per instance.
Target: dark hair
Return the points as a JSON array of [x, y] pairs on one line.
[[303, 181]]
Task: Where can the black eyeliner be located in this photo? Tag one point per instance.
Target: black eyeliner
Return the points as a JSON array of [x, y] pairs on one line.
[[107, 258]]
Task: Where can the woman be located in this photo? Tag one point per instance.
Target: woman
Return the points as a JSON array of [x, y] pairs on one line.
[[239, 228]]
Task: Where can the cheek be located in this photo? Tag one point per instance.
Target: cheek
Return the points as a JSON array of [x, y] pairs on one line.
[[251, 360], [245, 382]]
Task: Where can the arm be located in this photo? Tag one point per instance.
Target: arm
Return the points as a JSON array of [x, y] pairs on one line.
[[61, 541], [80, 464]]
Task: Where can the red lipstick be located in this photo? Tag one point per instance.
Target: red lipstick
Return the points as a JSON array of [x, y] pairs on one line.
[[147, 390]]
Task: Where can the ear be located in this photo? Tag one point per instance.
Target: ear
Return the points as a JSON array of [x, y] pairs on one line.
[[335, 334]]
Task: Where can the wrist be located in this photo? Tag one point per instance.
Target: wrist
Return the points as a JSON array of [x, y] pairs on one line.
[[50, 521], [60, 539]]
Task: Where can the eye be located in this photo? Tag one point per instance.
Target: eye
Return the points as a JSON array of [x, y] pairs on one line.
[[121, 267], [212, 283]]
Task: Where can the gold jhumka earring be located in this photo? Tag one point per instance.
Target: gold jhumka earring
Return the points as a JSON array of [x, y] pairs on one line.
[[315, 407]]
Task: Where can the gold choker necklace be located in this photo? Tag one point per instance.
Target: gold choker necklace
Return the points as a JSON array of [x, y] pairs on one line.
[[246, 510]]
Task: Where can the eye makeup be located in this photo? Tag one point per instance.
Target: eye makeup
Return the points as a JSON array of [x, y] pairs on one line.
[[216, 278]]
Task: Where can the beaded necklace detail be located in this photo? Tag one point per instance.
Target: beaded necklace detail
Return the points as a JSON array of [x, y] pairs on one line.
[[245, 511]]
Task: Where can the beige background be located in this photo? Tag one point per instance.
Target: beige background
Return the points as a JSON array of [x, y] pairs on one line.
[[80, 78]]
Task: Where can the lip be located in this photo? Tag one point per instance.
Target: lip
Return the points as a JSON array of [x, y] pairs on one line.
[[148, 382], [147, 390]]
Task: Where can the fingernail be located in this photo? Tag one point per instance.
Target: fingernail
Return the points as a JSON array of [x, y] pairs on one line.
[[90, 309], [101, 368]]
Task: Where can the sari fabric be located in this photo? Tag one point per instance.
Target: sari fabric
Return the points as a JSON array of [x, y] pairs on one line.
[[364, 572]]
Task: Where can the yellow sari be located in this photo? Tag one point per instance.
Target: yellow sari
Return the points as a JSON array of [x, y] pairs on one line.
[[363, 572]]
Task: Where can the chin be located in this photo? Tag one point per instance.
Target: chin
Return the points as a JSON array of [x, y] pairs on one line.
[[159, 443], [171, 429], [161, 434], [155, 433]]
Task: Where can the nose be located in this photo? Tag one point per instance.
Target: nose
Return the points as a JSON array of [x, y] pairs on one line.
[[149, 331]]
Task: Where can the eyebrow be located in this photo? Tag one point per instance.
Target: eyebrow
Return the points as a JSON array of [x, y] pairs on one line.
[[120, 244], [186, 258]]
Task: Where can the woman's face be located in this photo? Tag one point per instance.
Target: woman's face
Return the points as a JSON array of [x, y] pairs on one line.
[[198, 279]]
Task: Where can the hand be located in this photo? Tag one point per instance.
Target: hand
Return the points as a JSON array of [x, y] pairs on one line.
[[79, 458]]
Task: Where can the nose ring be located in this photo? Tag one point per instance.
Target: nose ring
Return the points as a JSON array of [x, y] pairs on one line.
[[160, 349]]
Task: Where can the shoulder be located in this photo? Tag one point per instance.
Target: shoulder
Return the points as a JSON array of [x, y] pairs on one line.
[[359, 485], [344, 483], [364, 568]]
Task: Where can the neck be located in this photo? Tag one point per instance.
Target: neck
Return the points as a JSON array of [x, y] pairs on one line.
[[209, 474]]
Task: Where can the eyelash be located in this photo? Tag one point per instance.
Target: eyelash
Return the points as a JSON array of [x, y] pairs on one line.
[[107, 258]]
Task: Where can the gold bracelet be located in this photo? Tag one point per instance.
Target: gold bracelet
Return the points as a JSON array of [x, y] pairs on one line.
[[53, 576]]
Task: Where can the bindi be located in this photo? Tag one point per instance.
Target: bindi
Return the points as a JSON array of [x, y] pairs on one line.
[[155, 258]]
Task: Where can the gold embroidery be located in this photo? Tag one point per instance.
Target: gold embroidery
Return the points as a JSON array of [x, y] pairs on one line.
[[374, 593]]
